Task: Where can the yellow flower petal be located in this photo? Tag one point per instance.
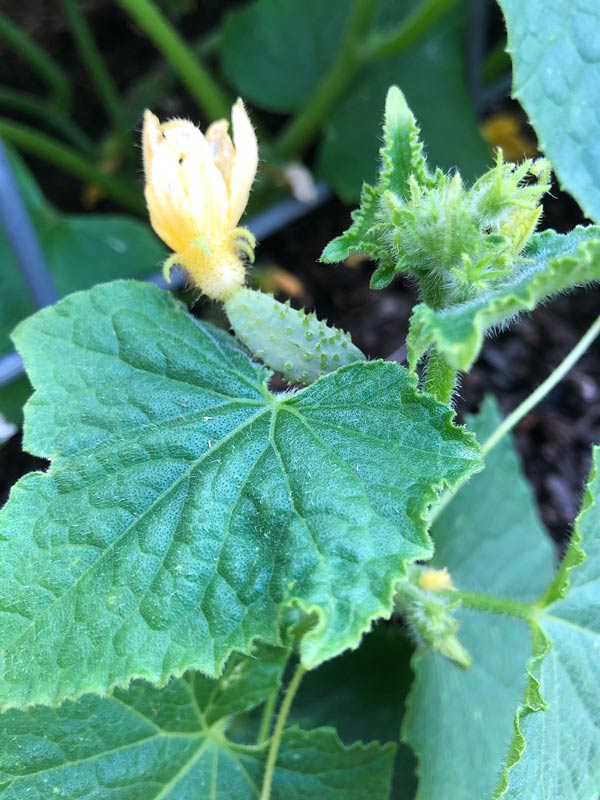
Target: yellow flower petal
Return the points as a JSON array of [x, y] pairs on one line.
[[197, 188], [223, 151], [245, 162]]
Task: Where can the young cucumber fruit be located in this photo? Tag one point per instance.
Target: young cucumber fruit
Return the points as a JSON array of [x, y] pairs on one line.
[[295, 343]]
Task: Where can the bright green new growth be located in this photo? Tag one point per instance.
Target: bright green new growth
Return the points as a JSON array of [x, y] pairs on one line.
[[552, 263], [297, 344], [472, 251], [455, 241]]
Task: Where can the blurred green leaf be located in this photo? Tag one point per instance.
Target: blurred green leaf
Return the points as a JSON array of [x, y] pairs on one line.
[[80, 250], [276, 52], [431, 75], [460, 722], [556, 749]]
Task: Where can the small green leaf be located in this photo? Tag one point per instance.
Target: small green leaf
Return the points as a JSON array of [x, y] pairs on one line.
[[402, 151], [246, 682], [556, 752], [401, 156], [383, 276], [148, 743], [187, 506], [555, 262], [362, 236], [555, 49], [460, 722]]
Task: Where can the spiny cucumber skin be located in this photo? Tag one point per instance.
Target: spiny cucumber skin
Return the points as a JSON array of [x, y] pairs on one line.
[[297, 344]]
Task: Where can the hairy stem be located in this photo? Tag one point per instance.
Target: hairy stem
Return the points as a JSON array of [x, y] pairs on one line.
[[525, 407], [54, 76], [440, 377], [409, 30], [300, 133], [107, 91], [496, 605], [205, 91], [68, 160], [278, 732]]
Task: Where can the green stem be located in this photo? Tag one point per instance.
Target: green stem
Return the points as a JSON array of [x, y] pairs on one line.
[[497, 63], [409, 31], [267, 718], [300, 133], [156, 83], [440, 377], [70, 161], [207, 93], [44, 110], [543, 389], [496, 605], [54, 76], [278, 732], [524, 408], [95, 65]]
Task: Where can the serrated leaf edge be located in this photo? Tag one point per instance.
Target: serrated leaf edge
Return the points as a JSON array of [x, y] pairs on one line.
[[421, 521], [424, 332], [355, 239], [575, 554], [312, 651], [542, 643], [533, 702]]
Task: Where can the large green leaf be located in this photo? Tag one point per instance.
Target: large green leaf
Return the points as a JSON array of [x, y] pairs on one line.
[[431, 75], [186, 505], [171, 743], [79, 250], [555, 262], [559, 747], [461, 722], [275, 51], [555, 48]]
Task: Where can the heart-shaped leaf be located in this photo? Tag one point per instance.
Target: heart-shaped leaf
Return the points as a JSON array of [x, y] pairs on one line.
[[187, 505]]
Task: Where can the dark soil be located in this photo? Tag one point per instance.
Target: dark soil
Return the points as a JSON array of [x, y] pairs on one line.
[[554, 440]]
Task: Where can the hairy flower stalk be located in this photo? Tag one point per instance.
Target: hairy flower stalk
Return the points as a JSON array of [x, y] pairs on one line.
[[197, 187]]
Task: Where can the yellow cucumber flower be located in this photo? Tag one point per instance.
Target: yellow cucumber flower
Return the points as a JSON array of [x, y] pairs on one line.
[[197, 187]]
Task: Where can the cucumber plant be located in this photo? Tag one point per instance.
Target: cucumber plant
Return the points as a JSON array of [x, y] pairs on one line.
[[211, 574]]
